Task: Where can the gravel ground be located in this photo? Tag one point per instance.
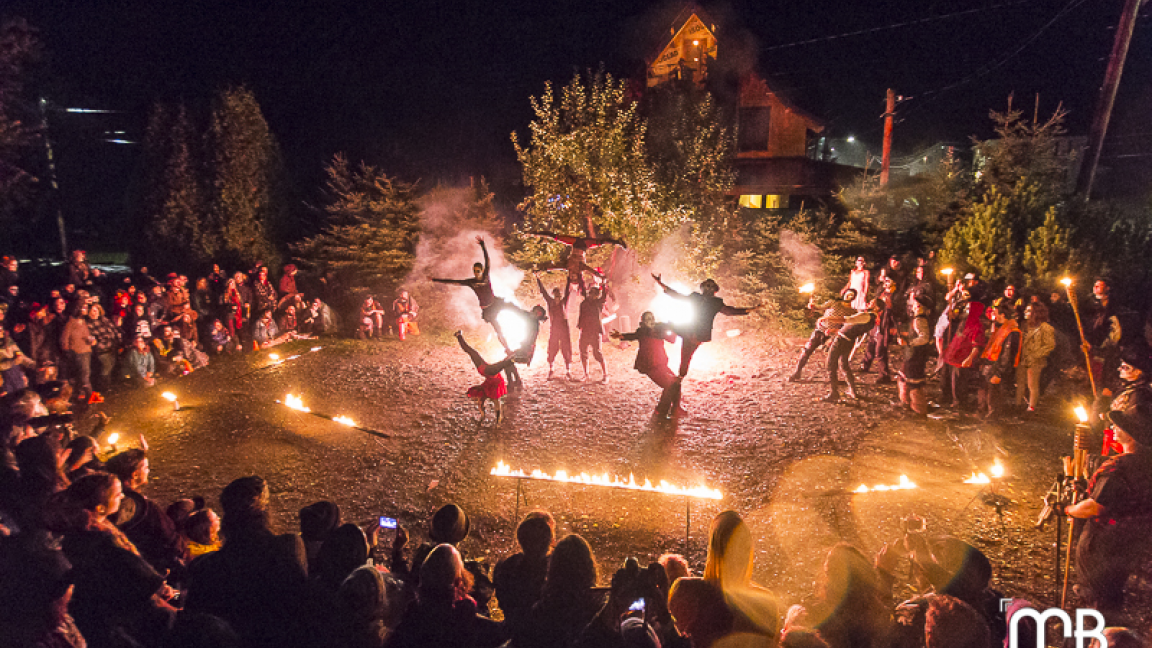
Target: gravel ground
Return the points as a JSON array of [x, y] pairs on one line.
[[787, 463]]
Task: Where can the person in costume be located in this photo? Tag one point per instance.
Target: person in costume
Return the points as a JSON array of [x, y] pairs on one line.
[[493, 388]]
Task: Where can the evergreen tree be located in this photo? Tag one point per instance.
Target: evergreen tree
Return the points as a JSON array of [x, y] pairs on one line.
[[20, 157], [373, 224], [176, 206], [246, 176]]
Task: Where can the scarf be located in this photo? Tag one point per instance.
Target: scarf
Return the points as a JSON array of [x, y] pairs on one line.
[[996, 344]]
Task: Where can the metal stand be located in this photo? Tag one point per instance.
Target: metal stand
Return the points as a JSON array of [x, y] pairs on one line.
[[687, 523], [1059, 537], [519, 494]]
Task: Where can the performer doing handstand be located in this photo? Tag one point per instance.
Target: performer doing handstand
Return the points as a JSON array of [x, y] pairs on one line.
[[490, 305], [493, 388], [652, 361], [576, 265], [705, 306], [559, 335]]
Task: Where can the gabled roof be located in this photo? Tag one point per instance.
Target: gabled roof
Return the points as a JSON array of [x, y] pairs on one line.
[[678, 23], [753, 83]]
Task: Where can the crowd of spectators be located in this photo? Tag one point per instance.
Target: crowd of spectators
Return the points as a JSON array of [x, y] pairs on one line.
[[92, 329]]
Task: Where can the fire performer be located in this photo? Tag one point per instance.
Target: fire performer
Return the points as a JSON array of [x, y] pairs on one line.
[[559, 335], [1119, 511], [652, 361], [835, 310], [855, 326], [998, 361], [579, 246], [592, 329], [917, 345], [490, 304], [705, 307], [493, 388], [883, 332]]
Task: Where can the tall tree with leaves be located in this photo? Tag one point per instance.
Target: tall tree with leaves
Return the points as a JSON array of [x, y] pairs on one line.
[[373, 225], [175, 206], [20, 157], [246, 174]]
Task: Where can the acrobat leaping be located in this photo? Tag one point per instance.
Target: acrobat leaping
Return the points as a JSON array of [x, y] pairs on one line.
[[576, 264]]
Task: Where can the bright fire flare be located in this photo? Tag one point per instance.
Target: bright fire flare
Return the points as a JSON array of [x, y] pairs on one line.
[[808, 288], [978, 478], [295, 403], [514, 327], [905, 484], [1066, 281], [1081, 413], [169, 396], [273, 356], [997, 470], [670, 309], [113, 438], [947, 272], [608, 319], [344, 420], [504, 470]]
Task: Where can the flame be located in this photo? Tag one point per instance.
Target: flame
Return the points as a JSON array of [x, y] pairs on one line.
[[274, 356], [947, 272], [344, 420], [670, 309], [808, 288], [504, 470], [1081, 413], [978, 478], [514, 327], [315, 349], [905, 484], [1066, 282], [169, 396], [295, 403], [997, 470], [733, 333], [113, 438]]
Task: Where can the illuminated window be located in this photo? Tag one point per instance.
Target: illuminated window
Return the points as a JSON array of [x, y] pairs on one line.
[[775, 201], [752, 202]]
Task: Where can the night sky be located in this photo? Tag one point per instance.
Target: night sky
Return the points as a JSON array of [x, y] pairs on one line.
[[431, 90]]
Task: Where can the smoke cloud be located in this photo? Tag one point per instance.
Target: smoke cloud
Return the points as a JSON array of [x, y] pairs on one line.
[[804, 257]]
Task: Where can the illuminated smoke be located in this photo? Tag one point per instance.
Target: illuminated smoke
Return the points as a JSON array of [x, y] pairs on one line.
[[804, 257]]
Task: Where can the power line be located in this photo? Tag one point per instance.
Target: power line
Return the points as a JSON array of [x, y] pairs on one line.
[[907, 23]]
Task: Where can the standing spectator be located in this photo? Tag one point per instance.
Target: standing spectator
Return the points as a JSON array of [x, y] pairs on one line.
[[9, 272], [263, 292], [257, 580], [881, 334], [232, 305], [998, 362], [404, 311], [1039, 342], [79, 272], [139, 364], [288, 282], [960, 357], [202, 302], [139, 323], [106, 349], [216, 280], [860, 281], [76, 341]]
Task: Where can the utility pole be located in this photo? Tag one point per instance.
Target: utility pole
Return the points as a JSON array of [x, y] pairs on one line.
[[889, 113], [52, 178], [1107, 97]]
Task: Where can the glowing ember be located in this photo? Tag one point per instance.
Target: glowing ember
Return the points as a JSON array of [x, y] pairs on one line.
[[1081, 413], [295, 403], [808, 288], [733, 333], [113, 438], [978, 478], [1066, 282], [997, 470], [273, 356], [503, 470], [514, 327], [344, 420], [169, 396], [905, 484]]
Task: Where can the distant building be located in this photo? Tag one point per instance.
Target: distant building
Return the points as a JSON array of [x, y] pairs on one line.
[[781, 156]]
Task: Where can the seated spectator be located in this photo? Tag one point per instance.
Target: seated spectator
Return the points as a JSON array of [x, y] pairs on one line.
[[267, 334], [371, 319], [119, 597], [320, 319], [567, 603], [317, 521], [729, 567], [618, 626], [169, 350], [449, 525], [699, 611], [141, 520], [106, 350], [35, 597], [404, 312], [519, 578], [345, 549], [14, 365], [82, 459], [675, 566], [202, 532], [41, 476], [221, 340], [851, 609], [195, 630], [444, 614], [367, 606], [257, 580], [139, 364], [288, 323]]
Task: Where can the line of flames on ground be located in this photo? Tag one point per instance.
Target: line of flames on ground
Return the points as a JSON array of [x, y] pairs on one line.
[[504, 470]]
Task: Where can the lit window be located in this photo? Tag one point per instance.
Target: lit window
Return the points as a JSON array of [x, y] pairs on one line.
[[752, 202], [775, 201]]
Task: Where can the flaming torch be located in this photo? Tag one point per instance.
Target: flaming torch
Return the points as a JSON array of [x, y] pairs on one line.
[[112, 439], [808, 288], [1067, 283], [947, 272], [171, 398]]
